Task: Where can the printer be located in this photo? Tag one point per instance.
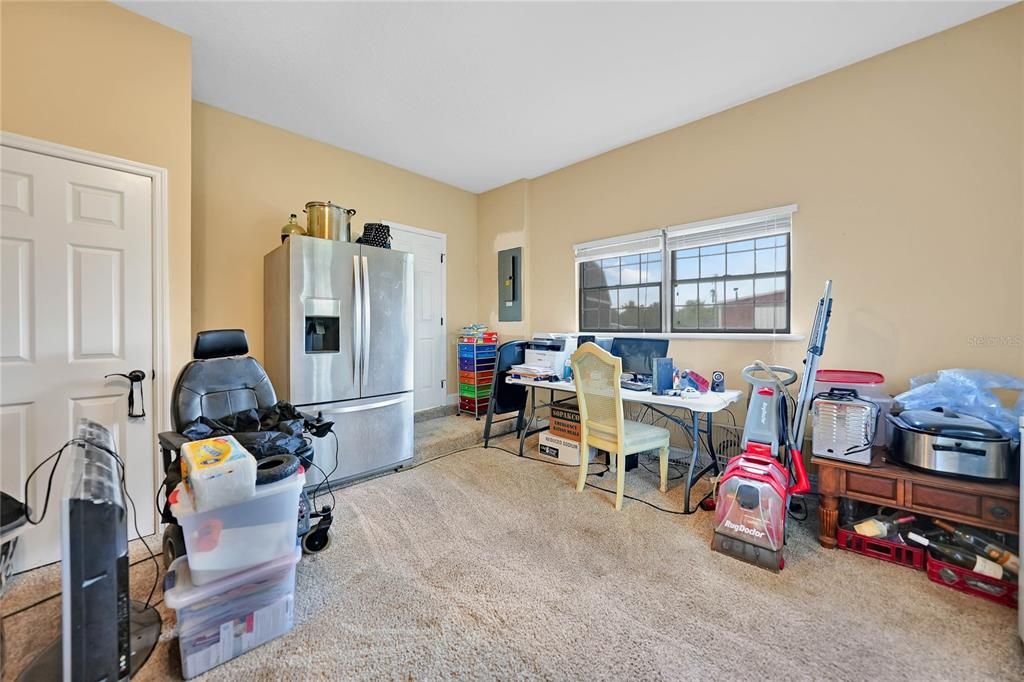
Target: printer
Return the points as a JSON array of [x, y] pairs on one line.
[[550, 351]]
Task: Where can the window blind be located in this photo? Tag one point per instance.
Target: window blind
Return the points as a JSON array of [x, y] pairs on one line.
[[627, 245], [731, 229]]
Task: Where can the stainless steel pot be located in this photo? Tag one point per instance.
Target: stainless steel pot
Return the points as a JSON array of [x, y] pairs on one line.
[[329, 221]]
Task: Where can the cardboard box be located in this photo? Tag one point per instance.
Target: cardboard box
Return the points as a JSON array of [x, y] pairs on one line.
[[565, 422], [564, 450]]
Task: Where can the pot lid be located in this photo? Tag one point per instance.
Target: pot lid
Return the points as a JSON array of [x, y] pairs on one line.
[[848, 376], [942, 422]]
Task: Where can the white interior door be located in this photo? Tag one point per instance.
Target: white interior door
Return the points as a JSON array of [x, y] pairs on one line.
[[429, 357], [76, 304]]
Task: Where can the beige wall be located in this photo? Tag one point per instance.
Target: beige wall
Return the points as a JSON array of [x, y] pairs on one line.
[[907, 169], [502, 224], [97, 77], [908, 172], [247, 178]]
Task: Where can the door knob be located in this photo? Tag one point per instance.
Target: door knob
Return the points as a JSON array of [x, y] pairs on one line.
[[136, 376]]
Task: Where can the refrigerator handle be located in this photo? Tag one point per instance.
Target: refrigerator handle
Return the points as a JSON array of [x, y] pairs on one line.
[[366, 320], [357, 320]]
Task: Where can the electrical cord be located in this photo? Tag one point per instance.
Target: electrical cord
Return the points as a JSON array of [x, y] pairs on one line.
[[56, 456], [404, 469], [49, 484], [156, 499], [327, 477], [676, 512], [477, 446], [652, 471], [38, 602], [135, 522], [852, 397], [597, 487]]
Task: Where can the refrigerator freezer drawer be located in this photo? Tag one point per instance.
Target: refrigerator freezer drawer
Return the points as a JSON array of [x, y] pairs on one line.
[[373, 434]]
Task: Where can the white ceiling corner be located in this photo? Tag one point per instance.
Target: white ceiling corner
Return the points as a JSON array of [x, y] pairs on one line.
[[481, 94]]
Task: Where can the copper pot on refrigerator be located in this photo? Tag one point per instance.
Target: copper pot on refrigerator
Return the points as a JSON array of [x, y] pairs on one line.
[[329, 221]]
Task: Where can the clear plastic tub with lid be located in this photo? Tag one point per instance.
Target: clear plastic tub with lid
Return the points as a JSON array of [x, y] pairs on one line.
[[221, 620], [227, 540]]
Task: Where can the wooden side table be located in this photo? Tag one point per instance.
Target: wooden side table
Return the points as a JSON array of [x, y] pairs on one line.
[[994, 506]]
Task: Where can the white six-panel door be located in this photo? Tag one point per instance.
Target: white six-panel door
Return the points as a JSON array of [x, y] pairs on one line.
[[429, 367], [76, 304]]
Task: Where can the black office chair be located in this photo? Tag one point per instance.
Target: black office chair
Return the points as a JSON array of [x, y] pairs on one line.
[[506, 398], [221, 380]]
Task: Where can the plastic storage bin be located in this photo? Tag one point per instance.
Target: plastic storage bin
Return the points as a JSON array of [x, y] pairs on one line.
[[867, 384], [224, 619], [227, 540]]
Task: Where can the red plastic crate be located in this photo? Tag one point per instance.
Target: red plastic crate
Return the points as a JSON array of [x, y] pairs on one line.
[[886, 550], [1000, 591]]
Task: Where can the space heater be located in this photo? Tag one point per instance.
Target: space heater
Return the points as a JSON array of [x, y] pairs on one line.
[[844, 426]]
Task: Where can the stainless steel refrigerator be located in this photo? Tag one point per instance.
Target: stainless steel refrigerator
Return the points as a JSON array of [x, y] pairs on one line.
[[338, 339]]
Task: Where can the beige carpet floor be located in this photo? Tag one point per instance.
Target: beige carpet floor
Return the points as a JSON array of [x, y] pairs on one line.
[[482, 565]]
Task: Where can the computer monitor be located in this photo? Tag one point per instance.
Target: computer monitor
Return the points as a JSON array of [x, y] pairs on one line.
[[638, 354], [104, 635]]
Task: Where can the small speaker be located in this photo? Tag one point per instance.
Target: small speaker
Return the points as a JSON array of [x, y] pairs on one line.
[[661, 381], [718, 381]]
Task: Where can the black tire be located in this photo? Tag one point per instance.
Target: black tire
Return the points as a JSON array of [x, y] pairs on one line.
[[276, 468], [173, 544], [315, 541]]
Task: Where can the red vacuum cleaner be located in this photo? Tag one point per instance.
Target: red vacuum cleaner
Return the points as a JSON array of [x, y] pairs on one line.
[[757, 486]]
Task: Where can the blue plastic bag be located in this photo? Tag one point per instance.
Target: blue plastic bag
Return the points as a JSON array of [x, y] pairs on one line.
[[968, 391]]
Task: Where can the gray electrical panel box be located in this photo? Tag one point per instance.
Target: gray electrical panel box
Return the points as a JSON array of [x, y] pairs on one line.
[[510, 285]]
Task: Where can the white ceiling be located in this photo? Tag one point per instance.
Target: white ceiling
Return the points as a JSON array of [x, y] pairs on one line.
[[480, 94]]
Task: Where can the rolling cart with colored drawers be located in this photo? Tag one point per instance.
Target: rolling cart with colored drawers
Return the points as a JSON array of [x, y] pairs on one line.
[[477, 358]]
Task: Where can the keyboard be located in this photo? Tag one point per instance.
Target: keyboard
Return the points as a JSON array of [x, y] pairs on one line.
[[635, 385]]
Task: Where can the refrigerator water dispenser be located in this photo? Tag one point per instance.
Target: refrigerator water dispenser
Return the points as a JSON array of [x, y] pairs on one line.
[[322, 334]]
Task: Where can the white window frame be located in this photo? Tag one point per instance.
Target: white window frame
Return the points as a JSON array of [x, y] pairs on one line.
[[716, 230]]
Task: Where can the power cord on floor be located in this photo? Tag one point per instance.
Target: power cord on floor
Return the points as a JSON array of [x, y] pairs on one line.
[[400, 470], [597, 487], [676, 512], [478, 446], [39, 602], [671, 466]]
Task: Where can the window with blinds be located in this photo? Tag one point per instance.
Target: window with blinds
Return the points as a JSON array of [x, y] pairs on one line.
[[621, 284], [728, 275]]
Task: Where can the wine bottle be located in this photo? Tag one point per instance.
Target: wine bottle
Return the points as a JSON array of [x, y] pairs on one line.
[[881, 527], [960, 557], [988, 548]]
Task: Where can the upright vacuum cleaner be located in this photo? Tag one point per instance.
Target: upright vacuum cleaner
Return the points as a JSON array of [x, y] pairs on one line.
[[757, 486]]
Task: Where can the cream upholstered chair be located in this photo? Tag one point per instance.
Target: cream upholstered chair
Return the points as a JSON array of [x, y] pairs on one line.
[[597, 374]]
